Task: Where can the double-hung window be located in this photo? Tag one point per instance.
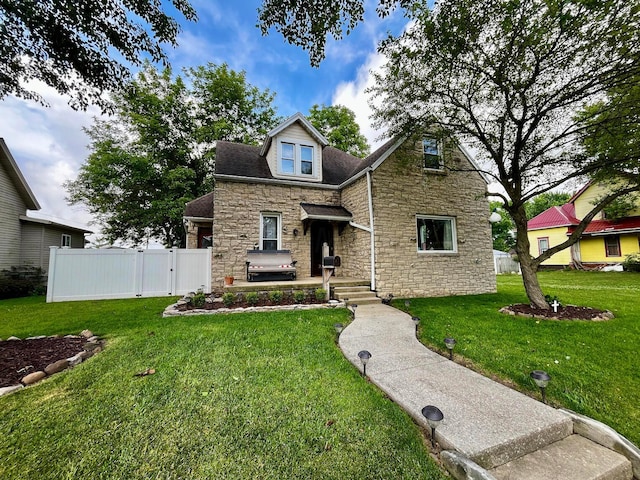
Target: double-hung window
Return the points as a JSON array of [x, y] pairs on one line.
[[543, 245], [270, 231], [431, 154], [296, 159], [612, 245], [65, 241], [436, 234]]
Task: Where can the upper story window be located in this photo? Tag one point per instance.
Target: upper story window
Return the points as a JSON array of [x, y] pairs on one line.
[[296, 159], [431, 154], [65, 241]]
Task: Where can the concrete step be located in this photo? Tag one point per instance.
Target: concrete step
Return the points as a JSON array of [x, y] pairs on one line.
[[359, 288], [572, 458], [354, 296]]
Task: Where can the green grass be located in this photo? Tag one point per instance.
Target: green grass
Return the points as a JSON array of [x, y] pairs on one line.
[[265, 396], [595, 366]]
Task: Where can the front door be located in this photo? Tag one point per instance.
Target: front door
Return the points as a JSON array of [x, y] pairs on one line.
[[321, 232]]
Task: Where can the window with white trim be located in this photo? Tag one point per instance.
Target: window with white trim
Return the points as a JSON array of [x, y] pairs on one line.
[[270, 231], [436, 234], [543, 245], [431, 153], [65, 241], [296, 159]]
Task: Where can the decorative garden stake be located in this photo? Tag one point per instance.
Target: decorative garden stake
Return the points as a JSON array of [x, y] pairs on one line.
[[364, 356], [555, 306], [434, 416], [542, 380], [450, 343]]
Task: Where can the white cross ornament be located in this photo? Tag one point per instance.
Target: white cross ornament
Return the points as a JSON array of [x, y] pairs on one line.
[[555, 306]]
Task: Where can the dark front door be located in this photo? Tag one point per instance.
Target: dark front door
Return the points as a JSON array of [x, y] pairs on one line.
[[321, 232]]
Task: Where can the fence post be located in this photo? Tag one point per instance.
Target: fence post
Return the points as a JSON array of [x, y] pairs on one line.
[[209, 267], [173, 281], [139, 272], [51, 273]]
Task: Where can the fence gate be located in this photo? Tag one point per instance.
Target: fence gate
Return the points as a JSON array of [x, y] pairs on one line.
[[87, 274], [506, 265]]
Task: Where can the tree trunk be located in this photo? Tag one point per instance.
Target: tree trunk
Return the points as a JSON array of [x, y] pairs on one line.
[[528, 266]]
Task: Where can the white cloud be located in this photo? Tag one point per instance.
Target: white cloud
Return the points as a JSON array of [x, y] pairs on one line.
[[353, 95]]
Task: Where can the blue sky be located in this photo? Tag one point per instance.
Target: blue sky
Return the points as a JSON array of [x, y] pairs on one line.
[[49, 144]]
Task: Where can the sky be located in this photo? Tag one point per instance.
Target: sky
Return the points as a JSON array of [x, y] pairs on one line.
[[49, 143]]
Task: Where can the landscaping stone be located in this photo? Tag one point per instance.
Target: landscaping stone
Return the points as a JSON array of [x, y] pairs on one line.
[[11, 389], [13, 338], [90, 346], [33, 378], [86, 333], [75, 360], [56, 367], [94, 339], [39, 337]]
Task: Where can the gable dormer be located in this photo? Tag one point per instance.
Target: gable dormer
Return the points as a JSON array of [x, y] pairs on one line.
[[294, 150]]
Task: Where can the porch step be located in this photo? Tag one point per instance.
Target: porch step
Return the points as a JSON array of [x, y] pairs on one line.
[[362, 295], [572, 458]]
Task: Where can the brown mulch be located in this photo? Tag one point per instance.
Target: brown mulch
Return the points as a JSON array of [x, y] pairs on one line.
[[568, 312], [33, 355], [262, 302]]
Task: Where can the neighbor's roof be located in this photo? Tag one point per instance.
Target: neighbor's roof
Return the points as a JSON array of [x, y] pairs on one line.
[[201, 207], [563, 216], [43, 221], [7, 160], [607, 227]]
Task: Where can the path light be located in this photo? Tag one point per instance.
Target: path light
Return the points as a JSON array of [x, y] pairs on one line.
[[434, 416], [542, 380], [364, 356], [339, 327], [416, 322], [407, 304], [353, 307], [450, 343]]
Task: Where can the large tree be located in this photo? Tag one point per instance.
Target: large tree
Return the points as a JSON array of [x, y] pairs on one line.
[[508, 78], [338, 124], [81, 48], [156, 153]]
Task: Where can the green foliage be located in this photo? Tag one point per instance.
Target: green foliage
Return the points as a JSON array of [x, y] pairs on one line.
[[228, 299], [252, 298], [299, 296], [321, 294], [199, 299], [82, 49], [157, 152], [276, 296], [631, 262], [502, 231], [620, 207], [22, 282], [544, 201], [338, 124]]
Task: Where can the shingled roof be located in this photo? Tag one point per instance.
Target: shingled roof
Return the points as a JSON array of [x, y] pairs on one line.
[[201, 207]]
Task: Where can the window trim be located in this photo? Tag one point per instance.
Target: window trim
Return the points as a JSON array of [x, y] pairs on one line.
[[439, 155], [454, 234], [617, 246], [278, 228], [63, 237], [540, 251], [297, 159]]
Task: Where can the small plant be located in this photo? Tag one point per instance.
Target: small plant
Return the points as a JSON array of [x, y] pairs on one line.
[[276, 296], [321, 294], [252, 298], [550, 299], [631, 263], [228, 299], [299, 296], [198, 299]]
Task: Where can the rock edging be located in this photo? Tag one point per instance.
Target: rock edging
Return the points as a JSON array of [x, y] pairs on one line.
[[94, 345], [173, 311]]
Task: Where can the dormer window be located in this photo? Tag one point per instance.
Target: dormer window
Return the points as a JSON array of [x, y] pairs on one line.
[[296, 159], [431, 153]]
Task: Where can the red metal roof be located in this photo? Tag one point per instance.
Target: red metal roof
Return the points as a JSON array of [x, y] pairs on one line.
[[563, 216], [613, 226]]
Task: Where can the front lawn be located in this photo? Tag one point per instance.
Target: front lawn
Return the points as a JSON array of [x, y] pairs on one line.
[[595, 366], [265, 395]]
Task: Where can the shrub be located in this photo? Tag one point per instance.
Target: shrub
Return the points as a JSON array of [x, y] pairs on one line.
[[198, 299], [228, 299], [299, 296], [22, 282], [321, 294], [631, 263], [276, 296], [252, 298]]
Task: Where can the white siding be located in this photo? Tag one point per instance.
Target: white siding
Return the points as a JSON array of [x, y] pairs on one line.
[[295, 134]]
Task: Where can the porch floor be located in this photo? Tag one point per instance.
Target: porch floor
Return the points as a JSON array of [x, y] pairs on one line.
[[305, 282]]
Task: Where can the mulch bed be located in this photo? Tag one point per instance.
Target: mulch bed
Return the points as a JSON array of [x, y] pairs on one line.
[[568, 312], [262, 302], [33, 355]]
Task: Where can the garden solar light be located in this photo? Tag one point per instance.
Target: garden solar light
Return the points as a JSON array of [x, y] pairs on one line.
[[416, 322], [353, 307], [338, 327], [450, 343], [542, 380], [364, 356], [407, 304], [434, 416]]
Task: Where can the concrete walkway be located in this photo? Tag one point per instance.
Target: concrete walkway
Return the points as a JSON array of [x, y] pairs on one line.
[[484, 422]]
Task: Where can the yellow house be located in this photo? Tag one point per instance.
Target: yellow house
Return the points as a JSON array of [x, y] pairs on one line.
[[603, 242]]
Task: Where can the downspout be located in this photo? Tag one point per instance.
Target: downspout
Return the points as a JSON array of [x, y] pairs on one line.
[[370, 230]]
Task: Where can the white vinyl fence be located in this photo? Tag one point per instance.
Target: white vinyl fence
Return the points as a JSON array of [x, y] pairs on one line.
[[506, 265], [89, 274]]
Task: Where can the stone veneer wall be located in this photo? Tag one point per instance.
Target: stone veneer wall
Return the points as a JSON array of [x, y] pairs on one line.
[[356, 244], [237, 208], [401, 190]]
